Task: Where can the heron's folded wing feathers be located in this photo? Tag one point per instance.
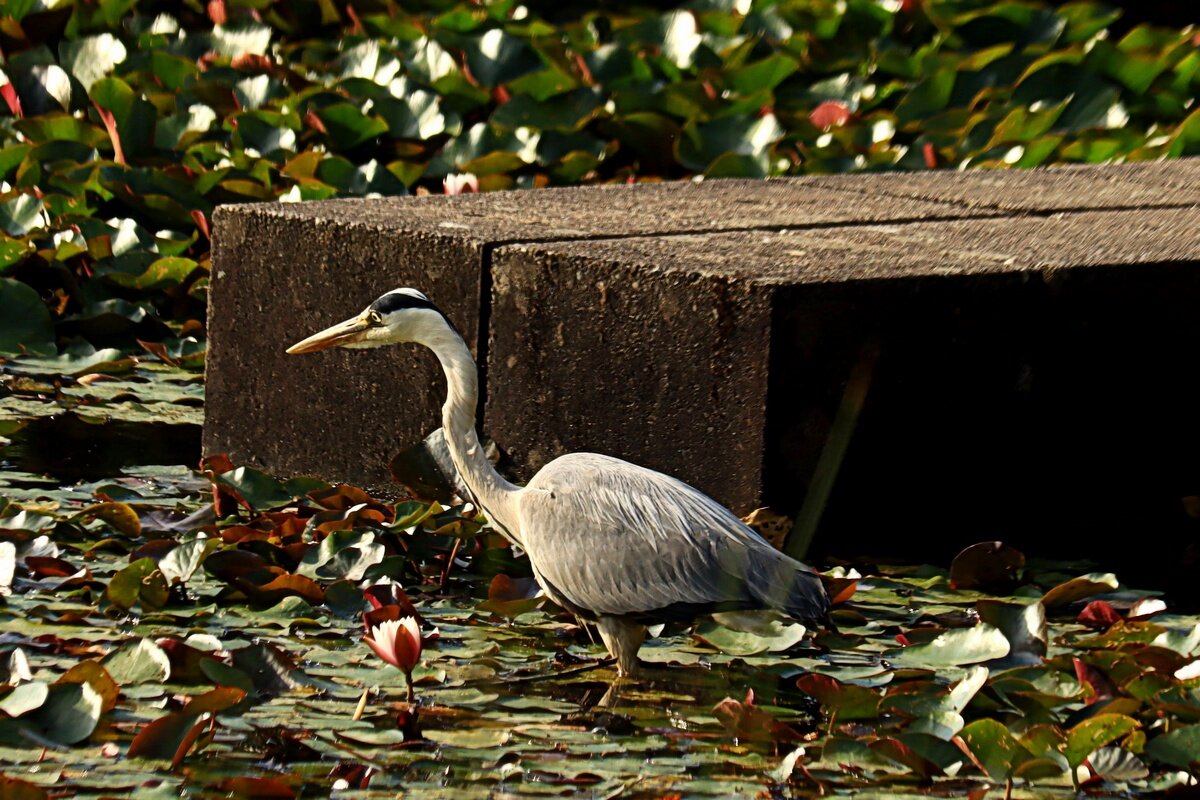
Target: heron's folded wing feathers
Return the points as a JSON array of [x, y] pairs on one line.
[[616, 538]]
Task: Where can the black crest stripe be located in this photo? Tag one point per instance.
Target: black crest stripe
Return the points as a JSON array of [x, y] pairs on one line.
[[397, 301]]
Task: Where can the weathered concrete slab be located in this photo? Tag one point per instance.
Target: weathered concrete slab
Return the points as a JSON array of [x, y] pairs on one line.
[[1159, 184], [1030, 371], [282, 271]]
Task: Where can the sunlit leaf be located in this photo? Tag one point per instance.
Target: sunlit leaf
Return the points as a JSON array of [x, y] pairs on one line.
[[1094, 733], [139, 583], [69, 714], [954, 647], [995, 748], [342, 554], [1079, 588], [119, 516], [1023, 624], [92, 58], [97, 677], [24, 698], [771, 637], [140, 661]]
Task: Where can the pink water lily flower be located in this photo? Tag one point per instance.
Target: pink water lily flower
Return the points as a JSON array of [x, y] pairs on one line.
[[460, 183], [398, 642]]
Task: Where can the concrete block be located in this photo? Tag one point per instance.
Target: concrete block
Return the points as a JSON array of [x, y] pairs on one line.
[[1026, 325], [1032, 374], [1158, 184], [282, 271]]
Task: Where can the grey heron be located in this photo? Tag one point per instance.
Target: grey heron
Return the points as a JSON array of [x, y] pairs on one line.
[[614, 543]]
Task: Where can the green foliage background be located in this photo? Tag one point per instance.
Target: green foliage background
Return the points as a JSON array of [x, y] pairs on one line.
[[125, 123]]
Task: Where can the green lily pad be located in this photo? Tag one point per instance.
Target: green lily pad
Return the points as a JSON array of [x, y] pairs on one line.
[[1179, 748], [70, 713], [141, 661], [342, 554], [995, 748], [24, 698], [1094, 733], [1079, 588], [776, 637], [27, 328], [955, 647], [471, 738], [139, 583]]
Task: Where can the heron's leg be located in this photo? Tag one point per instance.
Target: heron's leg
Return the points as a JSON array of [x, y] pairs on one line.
[[623, 639]]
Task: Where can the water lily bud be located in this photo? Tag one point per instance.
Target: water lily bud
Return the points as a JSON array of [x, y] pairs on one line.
[[398, 642]]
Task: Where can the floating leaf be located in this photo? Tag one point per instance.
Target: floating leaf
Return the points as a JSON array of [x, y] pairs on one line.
[[182, 561], [772, 637], [91, 58], [1179, 748], [140, 661], [472, 738], [986, 565], [1094, 733], [24, 698], [1023, 624], [16, 789], [843, 701], [119, 516], [8, 565], [342, 554], [255, 489], [511, 598], [1079, 588], [994, 748], [169, 738], [955, 647], [70, 713], [1100, 615], [746, 721], [27, 325], [97, 677], [142, 582], [21, 215]]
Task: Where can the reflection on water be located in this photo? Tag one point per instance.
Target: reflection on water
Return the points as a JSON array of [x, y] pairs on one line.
[[66, 447]]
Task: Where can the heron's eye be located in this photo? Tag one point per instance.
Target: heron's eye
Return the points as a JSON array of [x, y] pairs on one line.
[[375, 318]]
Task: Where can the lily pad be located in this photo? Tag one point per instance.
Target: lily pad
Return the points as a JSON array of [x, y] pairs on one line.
[[69, 714], [1080, 588], [775, 637], [956, 647], [140, 661], [27, 328], [1179, 748]]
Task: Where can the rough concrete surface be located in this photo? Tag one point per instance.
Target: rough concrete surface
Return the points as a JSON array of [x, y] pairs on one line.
[[285, 270], [657, 349], [1065, 188], [339, 414], [1033, 333]]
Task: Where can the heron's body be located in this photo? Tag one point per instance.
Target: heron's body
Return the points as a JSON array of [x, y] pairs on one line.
[[613, 542]]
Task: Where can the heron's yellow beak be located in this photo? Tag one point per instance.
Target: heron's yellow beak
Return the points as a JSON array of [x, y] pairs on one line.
[[343, 333]]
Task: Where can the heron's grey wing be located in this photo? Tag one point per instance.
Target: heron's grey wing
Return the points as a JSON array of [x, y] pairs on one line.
[[611, 537]]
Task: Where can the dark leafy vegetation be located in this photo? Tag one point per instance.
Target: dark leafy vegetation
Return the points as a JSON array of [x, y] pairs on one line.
[[181, 632], [125, 123], [202, 632]]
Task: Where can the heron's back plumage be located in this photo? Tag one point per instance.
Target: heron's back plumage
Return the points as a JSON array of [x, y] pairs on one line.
[[607, 537]]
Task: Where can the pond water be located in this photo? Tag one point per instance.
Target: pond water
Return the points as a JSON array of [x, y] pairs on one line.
[[147, 646]]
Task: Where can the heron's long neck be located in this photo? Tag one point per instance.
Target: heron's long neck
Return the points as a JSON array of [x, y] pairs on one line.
[[491, 490]]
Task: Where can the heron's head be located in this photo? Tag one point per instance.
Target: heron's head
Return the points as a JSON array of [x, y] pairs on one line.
[[401, 315]]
